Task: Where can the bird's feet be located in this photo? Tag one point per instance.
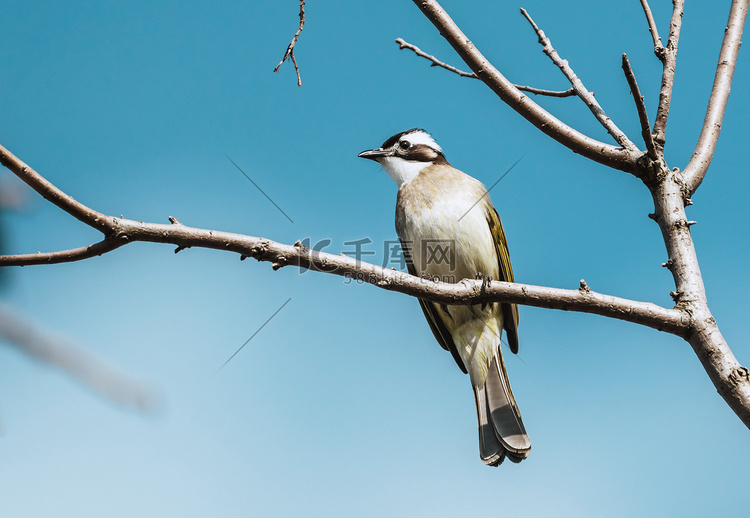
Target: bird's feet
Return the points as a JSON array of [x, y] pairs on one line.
[[486, 281]]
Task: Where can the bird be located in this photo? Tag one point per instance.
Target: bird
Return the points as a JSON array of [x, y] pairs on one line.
[[449, 231]]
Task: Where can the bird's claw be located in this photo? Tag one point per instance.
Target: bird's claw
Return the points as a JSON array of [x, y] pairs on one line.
[[486, 281]]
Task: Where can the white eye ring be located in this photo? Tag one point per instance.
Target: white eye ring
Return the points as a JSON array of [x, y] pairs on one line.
[[404, 144]]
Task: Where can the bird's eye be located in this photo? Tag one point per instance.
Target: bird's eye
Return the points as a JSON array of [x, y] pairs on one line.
[[404, 144]]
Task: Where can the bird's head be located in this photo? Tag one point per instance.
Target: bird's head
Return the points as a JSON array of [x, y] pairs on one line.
[[406, 154]]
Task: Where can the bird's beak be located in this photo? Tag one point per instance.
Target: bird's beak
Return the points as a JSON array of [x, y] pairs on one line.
[[373, 154]]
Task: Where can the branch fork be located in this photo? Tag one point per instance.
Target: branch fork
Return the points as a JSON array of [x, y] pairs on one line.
[[437, 63], [670, 190], [290, 48]]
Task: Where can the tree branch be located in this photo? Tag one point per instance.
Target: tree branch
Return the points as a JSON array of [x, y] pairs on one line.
[[670, 190], [729, 377], [290, 49], [669, 194], [64, 256], [586, 96], [437, 63], [607, 154], [640, 107], [696, 169], [658, 46], [465, 292], [51, 193], [121, 231], [668, 57]]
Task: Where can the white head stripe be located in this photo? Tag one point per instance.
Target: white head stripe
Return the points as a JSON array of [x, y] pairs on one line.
[[422, 137]]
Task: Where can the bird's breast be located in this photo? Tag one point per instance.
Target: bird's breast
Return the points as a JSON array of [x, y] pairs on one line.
[[444, 225]]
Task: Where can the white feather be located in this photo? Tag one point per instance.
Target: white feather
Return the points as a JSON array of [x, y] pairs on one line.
[[400, 170]]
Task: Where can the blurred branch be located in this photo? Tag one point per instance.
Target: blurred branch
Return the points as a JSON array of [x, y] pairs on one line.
[[437, 63], [89, 370], [13, 195], [290, 49]]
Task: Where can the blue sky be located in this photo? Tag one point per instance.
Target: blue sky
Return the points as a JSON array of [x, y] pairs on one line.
[[343, 404]]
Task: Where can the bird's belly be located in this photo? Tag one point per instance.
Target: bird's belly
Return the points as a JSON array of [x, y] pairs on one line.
[[452, 241]]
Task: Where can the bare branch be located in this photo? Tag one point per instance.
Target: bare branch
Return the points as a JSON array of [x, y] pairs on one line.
[[121, 231], [670, 197], [729, 377], [586, 96], [607, 154], [696, 169], [63, 256], [93, 372], [290, 49], [668, 57], [640, 106], [52, 193], [658, 46], [570, 92], [732, 380], [466, 292], [437, 63]]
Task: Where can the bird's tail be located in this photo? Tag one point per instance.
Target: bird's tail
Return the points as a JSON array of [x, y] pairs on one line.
[[501, 430]]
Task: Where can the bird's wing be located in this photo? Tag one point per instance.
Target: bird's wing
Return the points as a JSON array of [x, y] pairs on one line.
[[442, 335], [510, 311]]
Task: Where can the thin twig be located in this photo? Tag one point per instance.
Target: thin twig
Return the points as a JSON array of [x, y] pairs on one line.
[[640, 107], [696, 169], [437, 63], [52, 194], [586, 96], [570, 92], [290, 49], [669, 61], [658, 46], [64, 256]]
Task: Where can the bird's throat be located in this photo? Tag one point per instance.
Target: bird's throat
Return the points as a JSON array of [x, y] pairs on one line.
[[402, 171]]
